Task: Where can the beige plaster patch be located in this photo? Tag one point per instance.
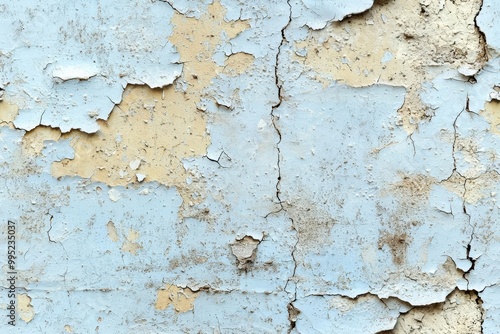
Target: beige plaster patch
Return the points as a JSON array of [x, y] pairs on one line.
[[8, 112], [396, 43], [461, 313], [25, 310], [130, 243], [182, 299], [238, 63], [112, 233], [475, 189], [492, 114], [158, 127], [153, 126]]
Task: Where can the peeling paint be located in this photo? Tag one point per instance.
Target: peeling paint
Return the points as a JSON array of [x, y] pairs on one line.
[[355, 50], [245, 251], [26, 310], [301, 166], [460, 313], [105, 51], [145, 126], [182, 300], [492, 114]]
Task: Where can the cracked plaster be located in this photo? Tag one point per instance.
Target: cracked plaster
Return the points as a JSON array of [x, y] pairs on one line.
[[138, 143]]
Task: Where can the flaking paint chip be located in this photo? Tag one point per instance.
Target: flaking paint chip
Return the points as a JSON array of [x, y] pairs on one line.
[[182, 299], [114, 195], [80, 72], [468, 71], [245, 251], [134, 164]]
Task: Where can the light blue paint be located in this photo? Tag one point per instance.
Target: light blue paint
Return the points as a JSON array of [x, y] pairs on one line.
[[341, 152]]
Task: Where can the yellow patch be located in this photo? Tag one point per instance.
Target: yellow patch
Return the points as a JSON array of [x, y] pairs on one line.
[[492, 114], [394, 43], [152, 130], [181, 299], [25, 309]]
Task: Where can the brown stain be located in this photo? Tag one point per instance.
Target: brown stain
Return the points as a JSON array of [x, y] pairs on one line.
[[398, 242], [312, 223], [182, 260], [24, 308], [160, 127], [182, 299], [413, 189], [351, 51], [412, 193]]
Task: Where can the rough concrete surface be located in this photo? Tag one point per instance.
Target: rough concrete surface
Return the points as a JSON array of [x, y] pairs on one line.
[[300, 166]]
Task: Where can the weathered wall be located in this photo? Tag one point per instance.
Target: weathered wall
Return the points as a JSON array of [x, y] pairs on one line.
[[308, 166]]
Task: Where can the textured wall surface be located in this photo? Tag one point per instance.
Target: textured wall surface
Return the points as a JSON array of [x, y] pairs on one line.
[[229, 166]]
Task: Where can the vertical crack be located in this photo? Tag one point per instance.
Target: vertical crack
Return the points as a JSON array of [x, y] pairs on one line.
[[275, 118], [454, 145], [455, 135], [479, 301], [413, 144], [50, 227], [468, 248], [464, 195], [292, 311], [483, 55]]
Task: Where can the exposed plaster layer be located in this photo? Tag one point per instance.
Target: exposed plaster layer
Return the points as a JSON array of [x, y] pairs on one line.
[[492, 114], [147, 126], [8, 113], [182, 300], [26, 311], [488, 23], [274, 187], [360, 196], [396, 43], [338, 314], [130, 243], [120, 310], [67, 71], [461, 313]]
